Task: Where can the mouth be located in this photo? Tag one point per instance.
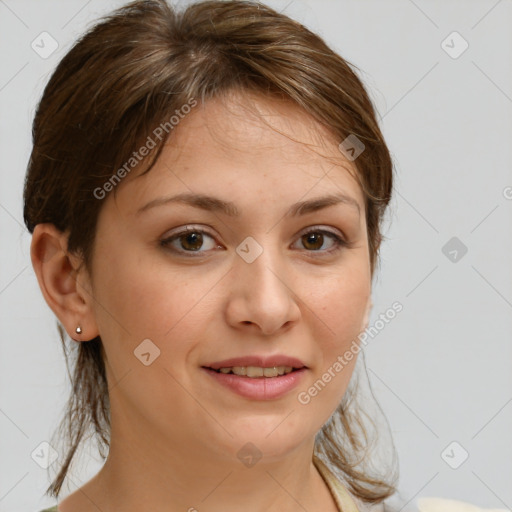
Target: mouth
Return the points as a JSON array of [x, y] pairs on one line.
[[256, 382], [255, 372]]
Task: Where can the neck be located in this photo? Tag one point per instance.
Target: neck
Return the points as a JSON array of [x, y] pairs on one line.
[[151, 473]]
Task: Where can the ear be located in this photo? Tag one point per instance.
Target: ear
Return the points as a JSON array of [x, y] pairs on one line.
[[65, 287]]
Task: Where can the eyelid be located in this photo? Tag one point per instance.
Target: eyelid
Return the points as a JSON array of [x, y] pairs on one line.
[[182, 231], [340, 240], [323, 229]]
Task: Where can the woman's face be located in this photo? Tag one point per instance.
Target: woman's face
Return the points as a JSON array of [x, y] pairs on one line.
[[252, 284]]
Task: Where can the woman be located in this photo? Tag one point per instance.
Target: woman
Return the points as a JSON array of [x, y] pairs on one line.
[[205, 193]]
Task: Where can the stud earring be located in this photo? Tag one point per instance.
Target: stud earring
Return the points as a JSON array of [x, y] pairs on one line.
[[78, 330]]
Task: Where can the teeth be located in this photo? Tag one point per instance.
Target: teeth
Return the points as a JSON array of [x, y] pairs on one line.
[[256, 371], [253, 371], [270, 372]]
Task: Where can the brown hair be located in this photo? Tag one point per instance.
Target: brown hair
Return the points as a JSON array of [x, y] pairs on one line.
[[131, 72]]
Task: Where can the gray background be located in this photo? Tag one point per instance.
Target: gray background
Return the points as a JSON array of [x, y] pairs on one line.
[[441, 369]]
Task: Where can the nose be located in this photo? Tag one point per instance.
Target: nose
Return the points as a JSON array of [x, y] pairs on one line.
[[261, 295]]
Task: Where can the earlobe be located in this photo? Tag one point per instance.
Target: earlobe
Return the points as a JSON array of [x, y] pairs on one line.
[[65, 288]]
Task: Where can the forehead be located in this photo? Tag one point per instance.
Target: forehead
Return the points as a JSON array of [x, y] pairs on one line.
[[245, 143]]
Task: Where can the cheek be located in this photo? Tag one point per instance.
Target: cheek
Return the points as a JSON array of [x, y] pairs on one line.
[[336, 321], [142, 300], [340, 302], [338, 316], [147, 296]]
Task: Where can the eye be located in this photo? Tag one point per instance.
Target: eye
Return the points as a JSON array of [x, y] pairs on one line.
[[314, 239], [190, 239]]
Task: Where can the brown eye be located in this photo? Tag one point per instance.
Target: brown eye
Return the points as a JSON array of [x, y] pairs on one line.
[[192, 241], [189, 241], [315, 239]]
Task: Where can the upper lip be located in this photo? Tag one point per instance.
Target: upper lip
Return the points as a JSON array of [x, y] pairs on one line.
[[259, 361]]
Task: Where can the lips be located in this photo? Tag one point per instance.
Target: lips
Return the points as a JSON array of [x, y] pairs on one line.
[[259, 361], [257, 388]]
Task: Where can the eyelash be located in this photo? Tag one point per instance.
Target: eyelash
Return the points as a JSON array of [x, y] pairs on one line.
[[339, 242]]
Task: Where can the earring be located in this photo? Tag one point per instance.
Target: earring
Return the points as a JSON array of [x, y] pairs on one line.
[[78, 330]]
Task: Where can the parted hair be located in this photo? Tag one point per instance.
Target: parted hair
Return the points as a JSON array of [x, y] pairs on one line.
[[129, 73]]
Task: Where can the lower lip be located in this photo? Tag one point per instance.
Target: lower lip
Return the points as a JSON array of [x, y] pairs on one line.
[[259, 388]]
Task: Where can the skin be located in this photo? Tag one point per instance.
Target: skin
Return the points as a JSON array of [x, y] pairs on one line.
[[175, 431]]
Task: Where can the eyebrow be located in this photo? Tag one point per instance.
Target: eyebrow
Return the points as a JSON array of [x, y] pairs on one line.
[[214, 204]]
